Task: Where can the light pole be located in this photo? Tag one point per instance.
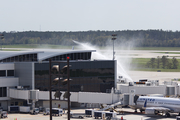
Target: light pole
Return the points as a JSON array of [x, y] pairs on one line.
[[68, 88], [57, 67], [113, 38], [50, 91]]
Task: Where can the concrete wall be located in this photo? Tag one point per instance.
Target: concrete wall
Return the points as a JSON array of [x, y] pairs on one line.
[[7, 66], [9, 81], [4, 104], [25, 72]]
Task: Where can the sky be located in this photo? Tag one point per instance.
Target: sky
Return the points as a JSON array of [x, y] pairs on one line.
[[85, 15]]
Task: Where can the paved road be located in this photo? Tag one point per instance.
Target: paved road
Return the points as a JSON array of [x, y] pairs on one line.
[[161, 76]]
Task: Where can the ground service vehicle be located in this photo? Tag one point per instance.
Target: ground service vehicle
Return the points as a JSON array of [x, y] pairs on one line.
[[24, 109], [13, 109], [57, 111], [46, 111], [34, 111], [89, 112], [76, 115], [3, 114]]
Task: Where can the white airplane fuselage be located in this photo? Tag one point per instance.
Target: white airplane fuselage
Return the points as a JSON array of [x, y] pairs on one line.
[[173, 104]]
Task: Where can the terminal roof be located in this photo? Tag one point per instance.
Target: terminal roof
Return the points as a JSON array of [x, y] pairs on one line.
[[41, 53]]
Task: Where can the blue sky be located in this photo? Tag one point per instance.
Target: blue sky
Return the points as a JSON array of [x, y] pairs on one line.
[[84, 15]]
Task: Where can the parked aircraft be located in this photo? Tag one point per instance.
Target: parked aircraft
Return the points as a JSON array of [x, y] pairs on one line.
[[155, 105]]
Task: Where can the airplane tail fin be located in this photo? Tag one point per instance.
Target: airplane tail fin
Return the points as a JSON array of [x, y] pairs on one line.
[[145, 103]]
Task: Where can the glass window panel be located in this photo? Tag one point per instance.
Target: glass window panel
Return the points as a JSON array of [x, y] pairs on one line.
[[1, 91], [16, 58], [27, 57], [2, 73], [20, 58], [8, 60], [24, 57], [35, 57], [10, 72], [12, 59], [4, 92], [4, 60], [31, 57]]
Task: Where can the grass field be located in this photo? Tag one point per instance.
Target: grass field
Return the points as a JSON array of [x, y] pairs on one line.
[[10, 50], [36, 46], [168, 52], [64, 47], [158, 48], [139, 64]]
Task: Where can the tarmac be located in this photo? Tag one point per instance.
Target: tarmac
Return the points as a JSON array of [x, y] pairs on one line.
[[127, 115]]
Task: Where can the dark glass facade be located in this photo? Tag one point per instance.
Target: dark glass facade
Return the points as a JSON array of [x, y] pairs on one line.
[[87, 76], [73, 56], [21, 58]]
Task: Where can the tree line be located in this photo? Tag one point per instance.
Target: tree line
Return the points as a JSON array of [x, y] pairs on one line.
[[143, 38], [163, 62]]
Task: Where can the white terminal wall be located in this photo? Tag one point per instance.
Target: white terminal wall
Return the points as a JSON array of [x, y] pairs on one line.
[[6, 66], [8, 81]]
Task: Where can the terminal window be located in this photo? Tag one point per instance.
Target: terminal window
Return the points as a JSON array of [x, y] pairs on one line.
[[10, 72], [3, 92], [2, 73]]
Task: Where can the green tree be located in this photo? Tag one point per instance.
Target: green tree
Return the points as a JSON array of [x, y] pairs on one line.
[[158, 61], [164, 61], [153, 62], [169, 64], [175, 63], [148, 64]]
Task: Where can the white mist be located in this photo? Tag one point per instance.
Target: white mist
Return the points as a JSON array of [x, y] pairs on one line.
[[106, 55]]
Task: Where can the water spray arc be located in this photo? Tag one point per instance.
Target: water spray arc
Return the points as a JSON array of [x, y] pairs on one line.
[[98, 55]]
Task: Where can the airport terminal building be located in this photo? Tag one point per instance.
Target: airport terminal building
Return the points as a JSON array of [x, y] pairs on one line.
[[29, 70]]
